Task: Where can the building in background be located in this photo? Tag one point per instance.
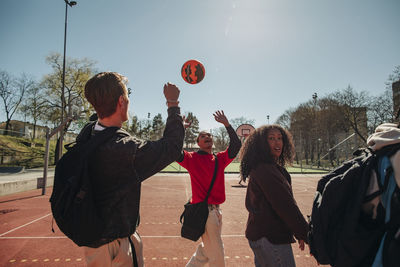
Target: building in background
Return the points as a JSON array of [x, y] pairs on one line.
[[25, 130]]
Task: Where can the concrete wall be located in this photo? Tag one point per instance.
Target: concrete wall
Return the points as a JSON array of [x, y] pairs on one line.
[[10, 187]]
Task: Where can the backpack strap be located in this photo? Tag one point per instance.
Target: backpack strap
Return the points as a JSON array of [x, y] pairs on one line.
[[87, 147], [388, 150], [213, 179], [99, 138], [383, 182], [134, 256], [389, 200]]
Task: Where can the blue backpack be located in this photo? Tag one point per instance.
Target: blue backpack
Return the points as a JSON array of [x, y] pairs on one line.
[[340, 233], [389, 249]]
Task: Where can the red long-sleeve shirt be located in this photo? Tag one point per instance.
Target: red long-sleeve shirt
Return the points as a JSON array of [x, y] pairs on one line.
[[200, 166]]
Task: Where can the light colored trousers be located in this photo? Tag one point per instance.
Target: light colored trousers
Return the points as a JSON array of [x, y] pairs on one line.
[[211, 250], [117, 253]]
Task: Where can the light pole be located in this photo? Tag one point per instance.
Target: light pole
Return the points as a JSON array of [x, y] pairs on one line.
[[268, 118], [60, 145], [314, 96], [148, 126]]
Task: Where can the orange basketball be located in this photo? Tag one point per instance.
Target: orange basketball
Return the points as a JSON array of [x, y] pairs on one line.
[[193, 71]]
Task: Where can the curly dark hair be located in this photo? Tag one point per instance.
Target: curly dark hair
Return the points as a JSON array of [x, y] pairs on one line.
[[255, 150]]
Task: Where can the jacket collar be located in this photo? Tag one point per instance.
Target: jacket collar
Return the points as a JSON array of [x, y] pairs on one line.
[[202, 152]]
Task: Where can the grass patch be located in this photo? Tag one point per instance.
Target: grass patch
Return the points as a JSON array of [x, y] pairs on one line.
[[17, 151], [234, 167]]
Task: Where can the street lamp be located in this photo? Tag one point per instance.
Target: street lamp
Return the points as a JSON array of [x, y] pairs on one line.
[[314, 96], [268, 118], [71, 4]]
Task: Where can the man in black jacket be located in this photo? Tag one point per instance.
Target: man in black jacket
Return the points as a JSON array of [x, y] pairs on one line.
[[120, 165]]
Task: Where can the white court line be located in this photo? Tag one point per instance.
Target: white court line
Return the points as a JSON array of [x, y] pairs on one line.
[[12, 230], [178, 236], [161, 188], [33, 237], [62, 237]]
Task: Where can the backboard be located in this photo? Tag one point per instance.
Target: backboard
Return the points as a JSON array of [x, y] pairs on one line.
[[244, 130]]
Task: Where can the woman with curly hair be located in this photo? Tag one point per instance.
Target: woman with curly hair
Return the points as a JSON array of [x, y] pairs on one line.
[[274, 217]]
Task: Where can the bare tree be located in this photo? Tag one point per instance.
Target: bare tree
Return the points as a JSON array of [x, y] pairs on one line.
[[301, 128], [71, 98], [77, 72], [314, 126], [236, 122], [221, 138], [393, 77], [353, 107], [12, 91], [330, 124], [284, 120], [380, 110]]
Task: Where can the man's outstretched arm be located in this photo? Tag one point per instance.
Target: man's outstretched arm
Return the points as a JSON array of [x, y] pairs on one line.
[[234, 142]]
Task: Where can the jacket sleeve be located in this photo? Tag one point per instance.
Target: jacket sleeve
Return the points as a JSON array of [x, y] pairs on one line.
[[278, 193], [153, 156], [234, 142]]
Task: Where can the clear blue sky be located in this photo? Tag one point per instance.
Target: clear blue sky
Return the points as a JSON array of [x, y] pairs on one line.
[[262, 57]]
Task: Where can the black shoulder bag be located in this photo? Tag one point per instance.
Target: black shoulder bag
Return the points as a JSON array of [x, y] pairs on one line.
[[194, 216]]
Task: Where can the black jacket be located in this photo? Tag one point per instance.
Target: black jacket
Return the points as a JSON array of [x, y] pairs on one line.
[[118, 167]]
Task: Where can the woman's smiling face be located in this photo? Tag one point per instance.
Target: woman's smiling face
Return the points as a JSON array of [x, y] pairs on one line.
[[275, 142]]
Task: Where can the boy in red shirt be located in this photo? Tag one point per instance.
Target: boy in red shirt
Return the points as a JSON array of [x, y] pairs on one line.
[[200, 166]]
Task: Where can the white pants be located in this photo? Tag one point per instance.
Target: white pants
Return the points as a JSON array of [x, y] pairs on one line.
[[211, 250], [116, 254]]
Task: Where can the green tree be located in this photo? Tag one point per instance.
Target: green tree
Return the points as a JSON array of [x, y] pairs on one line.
[[139, 128], [134, 129], [157, 127], [34, 106], [191, 132]]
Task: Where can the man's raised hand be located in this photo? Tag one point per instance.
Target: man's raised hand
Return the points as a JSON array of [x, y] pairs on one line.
[[171, 93], [220, 117]]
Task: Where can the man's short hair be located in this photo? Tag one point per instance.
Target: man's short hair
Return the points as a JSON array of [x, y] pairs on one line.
[[200, 133], [103, 91]]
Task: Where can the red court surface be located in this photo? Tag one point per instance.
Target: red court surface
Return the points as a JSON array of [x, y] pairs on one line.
[[26, 238]]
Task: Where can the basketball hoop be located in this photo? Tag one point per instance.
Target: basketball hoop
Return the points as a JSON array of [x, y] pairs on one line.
[[244, 130]]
